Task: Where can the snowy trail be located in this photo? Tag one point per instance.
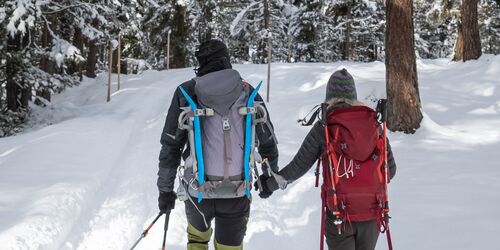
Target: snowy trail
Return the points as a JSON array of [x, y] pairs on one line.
[[88, 181]]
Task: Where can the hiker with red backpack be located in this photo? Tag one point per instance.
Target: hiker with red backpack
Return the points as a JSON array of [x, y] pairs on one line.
[[350, 141]]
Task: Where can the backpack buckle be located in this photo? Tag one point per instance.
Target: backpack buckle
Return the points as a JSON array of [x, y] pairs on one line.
[[247, 110], [204, 112], [225, 124]]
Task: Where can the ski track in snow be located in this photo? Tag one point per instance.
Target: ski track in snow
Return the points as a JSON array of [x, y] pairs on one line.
[[88, 180]]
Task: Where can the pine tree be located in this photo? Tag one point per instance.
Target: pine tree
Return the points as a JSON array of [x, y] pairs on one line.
[[489, 26], [310, 18], [355, 29], [248, 26], [285, 26], [435, 28], [403, 110]]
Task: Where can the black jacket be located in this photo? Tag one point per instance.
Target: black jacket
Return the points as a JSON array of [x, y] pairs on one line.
[[174, 141], [310, 150]]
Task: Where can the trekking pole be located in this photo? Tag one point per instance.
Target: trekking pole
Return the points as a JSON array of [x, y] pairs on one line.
[[145, 232], [165, 228], [382, 109]]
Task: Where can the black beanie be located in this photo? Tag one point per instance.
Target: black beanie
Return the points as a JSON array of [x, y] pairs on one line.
[[211, 49]]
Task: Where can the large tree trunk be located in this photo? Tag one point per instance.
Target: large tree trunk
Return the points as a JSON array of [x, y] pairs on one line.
[[404, 112], [468, 44]]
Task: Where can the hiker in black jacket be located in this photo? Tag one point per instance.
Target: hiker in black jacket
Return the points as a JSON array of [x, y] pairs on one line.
[[341, 92], [230, 214]]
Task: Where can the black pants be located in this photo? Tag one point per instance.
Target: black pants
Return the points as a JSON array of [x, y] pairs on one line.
[[231, 218], [354, 236]]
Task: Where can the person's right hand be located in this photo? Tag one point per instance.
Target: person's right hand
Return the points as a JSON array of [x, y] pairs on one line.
[[166, 201], [269, 185]]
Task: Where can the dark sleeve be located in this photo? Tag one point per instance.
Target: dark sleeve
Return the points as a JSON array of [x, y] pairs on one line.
[[267, 147], [309, 152], [390, 160], [172, 142]]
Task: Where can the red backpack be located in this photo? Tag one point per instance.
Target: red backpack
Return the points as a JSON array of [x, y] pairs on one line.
[[355, 171]]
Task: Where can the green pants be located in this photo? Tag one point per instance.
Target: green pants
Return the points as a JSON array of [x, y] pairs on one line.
[[198, 240]]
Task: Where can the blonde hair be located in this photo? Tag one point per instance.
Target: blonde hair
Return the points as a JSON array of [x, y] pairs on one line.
[[352, 102]]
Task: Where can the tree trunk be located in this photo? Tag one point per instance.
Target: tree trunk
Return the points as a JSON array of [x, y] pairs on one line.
[[468, 44], [26, 93], [267, 20], [18, 92], [289, 55], [205, 31], [115, 59], [79, 42], [45, 65], [11, 71], [403, 109], [92, 55], [459, 43], [91, 59], [348, 30], [179, 38]]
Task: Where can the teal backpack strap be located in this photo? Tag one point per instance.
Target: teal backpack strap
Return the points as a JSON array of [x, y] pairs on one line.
[[197, 141], [249, 140]]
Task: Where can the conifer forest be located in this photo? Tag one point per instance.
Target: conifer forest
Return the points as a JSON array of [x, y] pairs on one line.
[[48, 46]]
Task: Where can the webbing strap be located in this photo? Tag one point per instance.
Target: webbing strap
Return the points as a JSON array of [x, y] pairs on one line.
[[316, 172], [226, 127], [315, 114], [271, 130]]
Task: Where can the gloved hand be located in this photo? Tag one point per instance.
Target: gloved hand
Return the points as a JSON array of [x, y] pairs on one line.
[[166, 201], [269, 185]]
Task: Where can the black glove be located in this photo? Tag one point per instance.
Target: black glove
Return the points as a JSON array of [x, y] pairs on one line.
[[166, 201], [269, 185]]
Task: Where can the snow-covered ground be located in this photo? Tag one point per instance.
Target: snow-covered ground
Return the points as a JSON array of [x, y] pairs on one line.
[[88, 181]]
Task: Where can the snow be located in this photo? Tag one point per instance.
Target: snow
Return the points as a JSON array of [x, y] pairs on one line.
[[114, 44], [2, 14], [23, 12], [88, 180], [62, 49], [233, 30]]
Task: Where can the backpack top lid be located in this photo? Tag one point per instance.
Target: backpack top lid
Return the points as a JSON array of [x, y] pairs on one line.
[[358, 131], [219, 90]]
